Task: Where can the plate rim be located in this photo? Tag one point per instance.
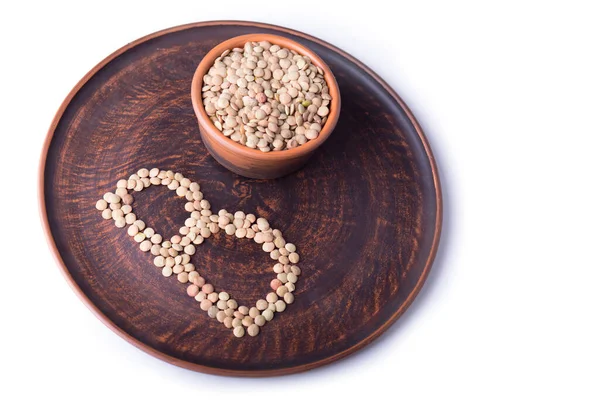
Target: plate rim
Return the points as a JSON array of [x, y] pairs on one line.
[[199, 367]]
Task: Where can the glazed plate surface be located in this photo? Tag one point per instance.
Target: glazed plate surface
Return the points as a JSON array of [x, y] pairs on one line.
[[365, 212]]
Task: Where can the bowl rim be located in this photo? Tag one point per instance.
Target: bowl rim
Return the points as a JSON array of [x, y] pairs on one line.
[[210, 130]]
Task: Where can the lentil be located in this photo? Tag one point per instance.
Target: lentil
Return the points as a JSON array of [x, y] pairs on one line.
[[173, 256], [256, 86]]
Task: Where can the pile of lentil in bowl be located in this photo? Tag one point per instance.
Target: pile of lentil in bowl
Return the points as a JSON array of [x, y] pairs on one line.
[[266, 97]]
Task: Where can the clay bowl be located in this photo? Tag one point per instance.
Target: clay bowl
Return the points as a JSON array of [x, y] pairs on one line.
[[253, 163]]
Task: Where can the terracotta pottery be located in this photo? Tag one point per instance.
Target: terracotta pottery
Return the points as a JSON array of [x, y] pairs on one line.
[[253, 163], [365, 212]]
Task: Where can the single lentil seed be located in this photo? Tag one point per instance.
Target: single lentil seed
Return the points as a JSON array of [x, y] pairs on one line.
[[268, 314], [177, 269], [280, 306], [193, 290], [253, 330], [212, 311], [238, 331], [205, 304], [272, 297]]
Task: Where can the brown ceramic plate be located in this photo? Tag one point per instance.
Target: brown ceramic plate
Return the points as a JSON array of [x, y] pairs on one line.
[[365, 212]]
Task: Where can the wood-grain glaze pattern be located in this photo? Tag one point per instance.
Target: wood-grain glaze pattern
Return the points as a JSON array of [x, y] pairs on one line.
[[365, 212]]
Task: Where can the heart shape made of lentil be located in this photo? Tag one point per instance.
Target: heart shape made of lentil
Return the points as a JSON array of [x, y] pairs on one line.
[[173, 256]]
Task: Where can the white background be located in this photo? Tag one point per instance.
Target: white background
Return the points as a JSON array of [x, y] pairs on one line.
[[509, 97]]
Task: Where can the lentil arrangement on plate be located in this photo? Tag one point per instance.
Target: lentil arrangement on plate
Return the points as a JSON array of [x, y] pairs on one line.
[[173, 256]]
